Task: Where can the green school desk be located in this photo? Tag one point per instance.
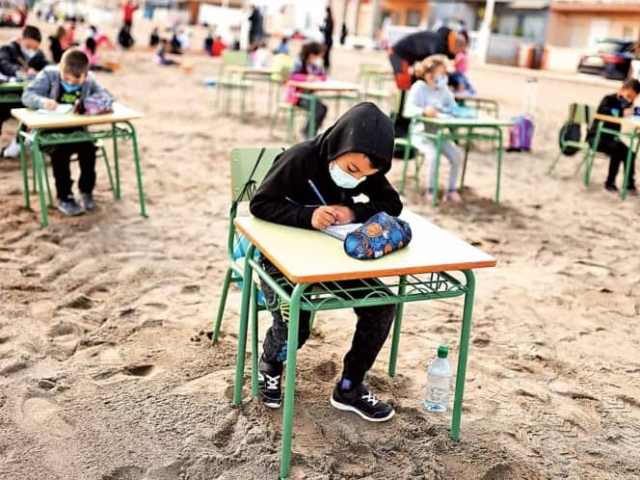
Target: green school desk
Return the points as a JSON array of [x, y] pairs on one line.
[[38, 124], [632, 125], [11, 92], [259, 74], [327, 86], [419, 272], [467, 129]]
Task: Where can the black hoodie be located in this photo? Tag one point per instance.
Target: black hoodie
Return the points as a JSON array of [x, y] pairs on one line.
[[285, 195], [420, 45], [11, 57]]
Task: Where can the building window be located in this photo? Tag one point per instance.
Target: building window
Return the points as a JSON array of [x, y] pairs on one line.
[[413, 18]]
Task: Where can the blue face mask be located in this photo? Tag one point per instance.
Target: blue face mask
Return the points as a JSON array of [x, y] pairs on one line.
[[442, 81], [70, 88]]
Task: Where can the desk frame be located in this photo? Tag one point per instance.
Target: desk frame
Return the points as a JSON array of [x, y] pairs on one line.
[[329, 295], [40, 138], [453, 125]]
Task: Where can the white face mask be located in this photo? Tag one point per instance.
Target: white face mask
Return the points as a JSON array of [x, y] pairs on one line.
[[318, 63], [342, 178], [27, 52], [442, 81]]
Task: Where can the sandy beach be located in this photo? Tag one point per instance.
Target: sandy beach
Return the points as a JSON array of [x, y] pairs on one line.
[[106, 372]]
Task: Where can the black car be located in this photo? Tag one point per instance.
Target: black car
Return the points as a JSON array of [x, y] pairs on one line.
[[609, 58]]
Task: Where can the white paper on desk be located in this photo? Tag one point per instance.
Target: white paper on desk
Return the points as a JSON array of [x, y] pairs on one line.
[[61, 109], [341, 231]]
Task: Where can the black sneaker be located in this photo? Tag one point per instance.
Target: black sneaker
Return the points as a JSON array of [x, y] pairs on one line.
[[88, 201], [633, 191], [269, 382], [361, 401], [611, 188], [70, 207]]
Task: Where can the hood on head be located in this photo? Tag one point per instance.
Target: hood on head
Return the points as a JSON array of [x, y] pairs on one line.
[[363, 129]]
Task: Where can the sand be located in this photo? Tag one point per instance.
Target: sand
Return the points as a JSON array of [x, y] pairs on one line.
[[106, 371]]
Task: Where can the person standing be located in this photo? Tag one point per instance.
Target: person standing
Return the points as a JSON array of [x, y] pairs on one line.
[[256, 29], [327, 31], [128, 9]]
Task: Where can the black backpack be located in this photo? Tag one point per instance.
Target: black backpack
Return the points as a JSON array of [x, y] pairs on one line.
[[570, 132]]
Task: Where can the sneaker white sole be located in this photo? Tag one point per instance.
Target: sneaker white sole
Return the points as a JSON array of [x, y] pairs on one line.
[[349, 408]]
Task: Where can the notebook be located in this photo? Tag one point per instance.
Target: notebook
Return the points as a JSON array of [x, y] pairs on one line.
[[61, 109], [341, 231]]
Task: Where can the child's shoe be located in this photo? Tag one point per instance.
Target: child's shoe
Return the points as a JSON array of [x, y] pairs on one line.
[[12, 150], [70, 207], [362, 402], [270, 383], [611, 188], [88, 201], [633, 191], [453, 196]]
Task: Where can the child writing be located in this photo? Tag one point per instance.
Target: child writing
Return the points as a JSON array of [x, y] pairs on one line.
[[350, 158], [308, 67], [619, 104], [68, 83], [428, 97]]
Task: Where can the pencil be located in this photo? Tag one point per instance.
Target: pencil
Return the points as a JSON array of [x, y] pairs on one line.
[[24, 64], [317, 192]]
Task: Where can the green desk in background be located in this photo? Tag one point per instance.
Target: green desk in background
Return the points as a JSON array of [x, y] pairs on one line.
[[11, 92], [466, 129]]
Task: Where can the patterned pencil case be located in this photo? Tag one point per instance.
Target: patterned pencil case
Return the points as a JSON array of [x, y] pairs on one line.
[[381, 235]]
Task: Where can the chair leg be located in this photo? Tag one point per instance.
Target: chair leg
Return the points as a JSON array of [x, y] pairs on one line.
[[254, 339], [555, 162], [291, 125], [46, 180], [223, 302], [589, 165]]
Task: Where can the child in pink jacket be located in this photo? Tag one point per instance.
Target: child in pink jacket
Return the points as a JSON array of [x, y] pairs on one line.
[[308, 67]]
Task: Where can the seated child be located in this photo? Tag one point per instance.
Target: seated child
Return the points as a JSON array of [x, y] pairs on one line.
[[20, 58], [260, 56], [350, 158], [308, 67], [218, 47], [70, 82], [619, 104], [283, 47], [429, 96], [89, 50], [161, 54]]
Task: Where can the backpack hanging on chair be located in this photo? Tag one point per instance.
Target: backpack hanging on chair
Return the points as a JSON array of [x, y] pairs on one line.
[[571, 133]]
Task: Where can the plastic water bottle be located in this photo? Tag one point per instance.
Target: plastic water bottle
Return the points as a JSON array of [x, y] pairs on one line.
[[438, 382]]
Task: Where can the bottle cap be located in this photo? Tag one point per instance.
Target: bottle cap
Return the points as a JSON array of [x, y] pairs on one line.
[[443, 351]]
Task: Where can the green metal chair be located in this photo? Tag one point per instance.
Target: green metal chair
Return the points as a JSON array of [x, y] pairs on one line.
[[248, 168], [228, 83], [101, 153], [582, 115], [372, 77]]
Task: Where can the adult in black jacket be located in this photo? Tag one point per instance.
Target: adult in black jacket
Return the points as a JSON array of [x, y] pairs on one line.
[[619, 104], [20, 57], [256, 27], [350, 158], [414, 48], [327, 31]]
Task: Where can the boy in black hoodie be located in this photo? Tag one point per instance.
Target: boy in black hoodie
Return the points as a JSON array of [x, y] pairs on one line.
[[619, 104], [348, 159]]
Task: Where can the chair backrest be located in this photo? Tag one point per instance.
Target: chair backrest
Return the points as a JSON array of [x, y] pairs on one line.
[[581, 114], [235, 57], [249, 166]]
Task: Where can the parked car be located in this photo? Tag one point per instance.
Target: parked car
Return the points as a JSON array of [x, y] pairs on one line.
[[609, 58]]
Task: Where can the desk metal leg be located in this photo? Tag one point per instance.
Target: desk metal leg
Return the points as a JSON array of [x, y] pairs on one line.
[[254, 337], [467, 147], [23, 167], [136, 159], [499, 130], [463, 355], [116, 160], [397, 327], [38, 162], [592, 154], [290, 386], [312, 115], [242, 333], [627, 166], [434, 181]]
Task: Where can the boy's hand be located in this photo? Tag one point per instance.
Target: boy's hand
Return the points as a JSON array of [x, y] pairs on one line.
[[343, 215], [430, 112], [323, 217], [627, 112], [50, 104]]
